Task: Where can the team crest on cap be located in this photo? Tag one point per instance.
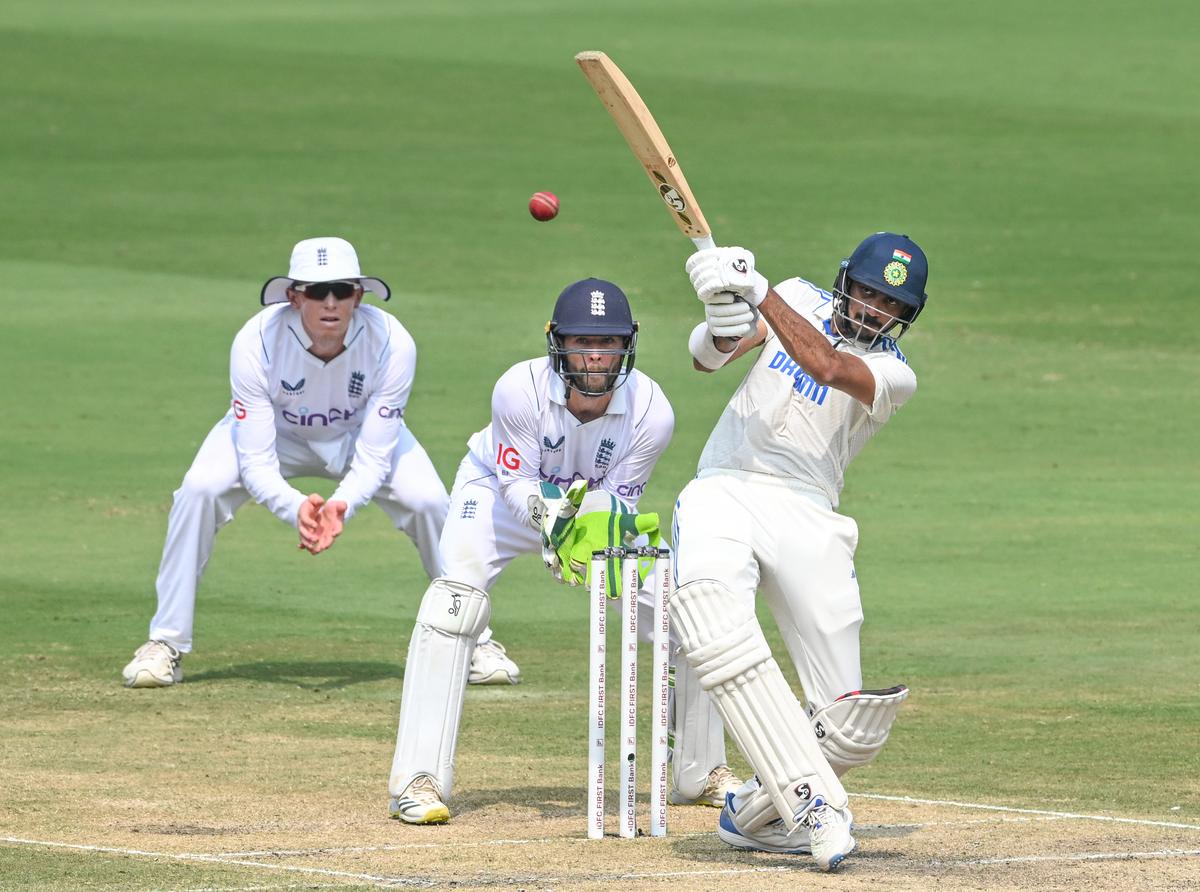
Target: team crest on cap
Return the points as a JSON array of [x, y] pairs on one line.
[[895, 273], [597, 303]]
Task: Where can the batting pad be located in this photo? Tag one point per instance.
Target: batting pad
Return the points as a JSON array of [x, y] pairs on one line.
[[724, 644], [854, 727], [450, 620]]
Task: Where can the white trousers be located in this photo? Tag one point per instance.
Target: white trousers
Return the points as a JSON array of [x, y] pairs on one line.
[[756, 532], [412, 496]]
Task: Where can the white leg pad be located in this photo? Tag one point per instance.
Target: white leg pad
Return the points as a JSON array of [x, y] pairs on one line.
[[449, 621], [854, 727], [699, 737], [724, 644]]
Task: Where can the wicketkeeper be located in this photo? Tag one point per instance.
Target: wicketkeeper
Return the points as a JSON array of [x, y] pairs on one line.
[[760, 516], [580, 416]]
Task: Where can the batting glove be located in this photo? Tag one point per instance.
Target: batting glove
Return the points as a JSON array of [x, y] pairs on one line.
[[715, 271], [730, 318]]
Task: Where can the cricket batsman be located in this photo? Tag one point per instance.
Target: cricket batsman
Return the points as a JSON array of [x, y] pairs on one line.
[[320, 382], [580, 419], [761, 516]]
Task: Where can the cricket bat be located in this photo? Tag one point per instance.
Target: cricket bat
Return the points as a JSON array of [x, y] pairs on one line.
[[647, 142]]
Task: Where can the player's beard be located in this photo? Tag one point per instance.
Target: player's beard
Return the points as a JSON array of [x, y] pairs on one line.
[[596, 380]]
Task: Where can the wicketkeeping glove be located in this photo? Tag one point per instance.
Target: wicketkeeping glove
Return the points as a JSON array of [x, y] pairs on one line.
[[594, 531], [717, 271], [553, 512]]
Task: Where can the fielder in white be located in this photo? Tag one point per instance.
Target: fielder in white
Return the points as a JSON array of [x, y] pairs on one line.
[[760, 517], [319, 385], [581, 414]]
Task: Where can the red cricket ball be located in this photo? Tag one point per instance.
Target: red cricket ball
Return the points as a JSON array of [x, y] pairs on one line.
[[543, 206]]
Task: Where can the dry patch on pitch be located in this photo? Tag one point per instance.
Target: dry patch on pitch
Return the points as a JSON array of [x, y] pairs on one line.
[[532, 838]]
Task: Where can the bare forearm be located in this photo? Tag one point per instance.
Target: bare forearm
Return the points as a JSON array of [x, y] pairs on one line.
[[800, 339]]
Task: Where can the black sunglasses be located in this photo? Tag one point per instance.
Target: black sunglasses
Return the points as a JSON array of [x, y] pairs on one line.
[[318, 290]]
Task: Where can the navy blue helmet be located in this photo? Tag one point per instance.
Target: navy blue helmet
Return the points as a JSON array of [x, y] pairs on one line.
[[889, 263], [592, 307]]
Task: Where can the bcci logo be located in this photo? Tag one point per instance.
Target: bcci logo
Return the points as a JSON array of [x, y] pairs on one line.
[[604, 453], [597, 303], [895, 273]]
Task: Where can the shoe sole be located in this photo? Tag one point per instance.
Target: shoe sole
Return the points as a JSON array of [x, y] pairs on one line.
[[143, 679], [497, 677], [433, 816], [677, 799]]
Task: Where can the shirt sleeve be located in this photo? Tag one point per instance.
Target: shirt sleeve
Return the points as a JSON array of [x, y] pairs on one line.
[[382, 423], [515, 426], [627, 480], [895, 384], [254, 430]]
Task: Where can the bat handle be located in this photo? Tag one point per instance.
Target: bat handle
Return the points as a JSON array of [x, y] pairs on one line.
[[704, 241]]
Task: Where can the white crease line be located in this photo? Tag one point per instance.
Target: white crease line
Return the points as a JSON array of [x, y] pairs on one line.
[[214, 859], [1081, 856], [1028, 811]]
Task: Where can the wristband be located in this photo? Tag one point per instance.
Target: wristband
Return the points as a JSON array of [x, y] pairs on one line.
[[704, 350]]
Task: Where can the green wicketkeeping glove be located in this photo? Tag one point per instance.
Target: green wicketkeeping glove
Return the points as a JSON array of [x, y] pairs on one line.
[[597, 530]]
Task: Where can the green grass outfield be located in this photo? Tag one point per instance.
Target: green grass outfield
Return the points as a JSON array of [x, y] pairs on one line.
[[1029, 537]]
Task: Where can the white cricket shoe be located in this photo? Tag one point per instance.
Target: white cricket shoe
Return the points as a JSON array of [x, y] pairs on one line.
[[824, 833], [420, 803], [154, 665], [721, 781], [775, 837], [490, 665], [829, 832]]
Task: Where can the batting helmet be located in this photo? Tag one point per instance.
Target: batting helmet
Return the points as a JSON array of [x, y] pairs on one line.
[[892, 264], [592, 307]]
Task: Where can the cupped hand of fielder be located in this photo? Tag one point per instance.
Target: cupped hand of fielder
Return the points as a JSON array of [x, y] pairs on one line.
[[324, 524], [717, 272], [307, 521]]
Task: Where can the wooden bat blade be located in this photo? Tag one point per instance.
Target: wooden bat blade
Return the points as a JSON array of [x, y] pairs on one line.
[[646, 141]]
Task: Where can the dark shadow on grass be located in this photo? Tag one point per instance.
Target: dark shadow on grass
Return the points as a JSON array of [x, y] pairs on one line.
[[312, 676]]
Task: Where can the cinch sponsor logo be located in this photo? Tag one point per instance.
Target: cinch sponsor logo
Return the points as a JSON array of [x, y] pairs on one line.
[[802, 383], [385, 412], [630, 490], [507, 457], [316, 419], [557, 480]]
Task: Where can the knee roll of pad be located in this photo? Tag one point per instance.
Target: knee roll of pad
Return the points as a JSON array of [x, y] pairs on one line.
[[721, 636], [853, 728], [455, 607]]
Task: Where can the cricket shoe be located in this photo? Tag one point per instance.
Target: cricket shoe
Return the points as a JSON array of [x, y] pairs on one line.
[[490, 665], [774, 837], [721, 781], [420, 803], [154, 665], [829, 833]]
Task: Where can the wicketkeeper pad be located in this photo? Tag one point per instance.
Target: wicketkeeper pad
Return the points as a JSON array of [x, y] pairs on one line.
[[450, 620]]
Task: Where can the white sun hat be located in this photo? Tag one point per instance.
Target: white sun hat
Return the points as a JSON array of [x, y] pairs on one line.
[[325, 259]]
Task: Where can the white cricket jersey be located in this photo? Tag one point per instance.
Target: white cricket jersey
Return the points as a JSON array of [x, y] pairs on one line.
[[533, 437], [781, 422], [355, 401]]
